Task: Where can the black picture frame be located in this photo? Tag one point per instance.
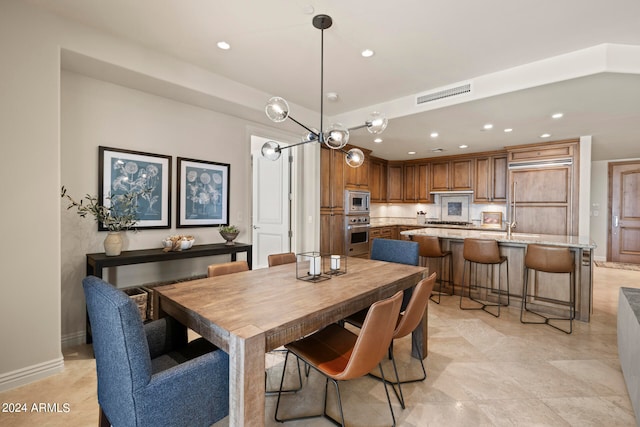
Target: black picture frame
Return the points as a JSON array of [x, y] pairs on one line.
[[121, 171], [202, 193]]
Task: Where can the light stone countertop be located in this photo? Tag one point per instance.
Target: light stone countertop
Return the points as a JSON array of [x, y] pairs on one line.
[[501, 237], [375, 222]]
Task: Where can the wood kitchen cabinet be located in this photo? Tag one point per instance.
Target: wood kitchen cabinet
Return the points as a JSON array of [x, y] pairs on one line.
[[386, 232], [416, 183], [356, 178], [332, 237], [452, 175], [332, 167], [395, 178], [490, 179], [546, 187], [378, 180]]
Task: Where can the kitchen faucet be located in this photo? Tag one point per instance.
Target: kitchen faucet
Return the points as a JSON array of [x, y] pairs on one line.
[[512, 224]]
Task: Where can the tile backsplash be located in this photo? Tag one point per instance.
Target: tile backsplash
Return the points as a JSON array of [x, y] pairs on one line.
[[400, 211]]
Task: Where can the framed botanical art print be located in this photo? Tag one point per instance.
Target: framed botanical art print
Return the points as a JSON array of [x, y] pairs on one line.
[[203, 193], [146, 175]]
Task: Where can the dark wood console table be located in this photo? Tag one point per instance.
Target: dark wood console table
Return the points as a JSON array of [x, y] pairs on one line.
[[98, 261]]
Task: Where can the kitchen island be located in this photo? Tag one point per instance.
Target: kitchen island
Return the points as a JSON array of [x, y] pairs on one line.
[[548, 286]]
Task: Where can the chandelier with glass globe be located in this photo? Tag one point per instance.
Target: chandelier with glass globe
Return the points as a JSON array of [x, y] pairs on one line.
[[335, 136]]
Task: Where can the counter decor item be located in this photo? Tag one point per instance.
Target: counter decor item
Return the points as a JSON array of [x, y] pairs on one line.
[[492, 219], [421, 218], [120, 215], [313, 267], [229, 233], [178, 243]]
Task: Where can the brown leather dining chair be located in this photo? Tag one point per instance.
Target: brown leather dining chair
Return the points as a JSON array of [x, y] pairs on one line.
[[340, 355], [279, 259], [408, 320], [483, 252], [550, 260], [430, 249], [227, 268]]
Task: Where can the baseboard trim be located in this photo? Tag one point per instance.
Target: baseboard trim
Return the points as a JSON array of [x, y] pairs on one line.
[[73, 339], [27, 375]]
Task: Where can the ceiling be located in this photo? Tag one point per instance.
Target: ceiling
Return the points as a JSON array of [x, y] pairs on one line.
[[525, 60]]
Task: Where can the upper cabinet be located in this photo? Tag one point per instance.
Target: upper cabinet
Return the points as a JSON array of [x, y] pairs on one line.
[[416, 183], [395, 180], [490, 179], [332, 166], [452, 175], [357, 178], [378, 180]]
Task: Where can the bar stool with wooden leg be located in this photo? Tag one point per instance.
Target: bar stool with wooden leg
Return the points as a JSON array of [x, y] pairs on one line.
[[483, 252], [549, 259], [430, 248]]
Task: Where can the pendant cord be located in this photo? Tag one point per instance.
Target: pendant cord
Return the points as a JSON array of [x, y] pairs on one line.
[[321, 132]]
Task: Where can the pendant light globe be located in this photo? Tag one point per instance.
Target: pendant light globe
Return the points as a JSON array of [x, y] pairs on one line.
[[277, 109], [336, 136]]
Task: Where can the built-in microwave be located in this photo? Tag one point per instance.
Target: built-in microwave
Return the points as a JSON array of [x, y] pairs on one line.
[[356, 202]]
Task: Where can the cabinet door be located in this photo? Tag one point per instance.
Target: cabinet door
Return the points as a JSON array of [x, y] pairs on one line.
[[461, 174], [544, 200], [331, 179], [378, 181], [410, 191], [422, 181], [332, 234], [395, 175], [440, 176], [482, 180], [499, 177], [357, 177]]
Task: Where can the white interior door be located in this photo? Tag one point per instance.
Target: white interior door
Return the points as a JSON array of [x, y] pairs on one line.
[[271, 204]]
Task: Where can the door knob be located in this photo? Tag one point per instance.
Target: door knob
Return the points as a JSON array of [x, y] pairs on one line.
[[255, 227]]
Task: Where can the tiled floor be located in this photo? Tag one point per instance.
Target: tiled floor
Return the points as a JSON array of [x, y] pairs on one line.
[[482, 371]]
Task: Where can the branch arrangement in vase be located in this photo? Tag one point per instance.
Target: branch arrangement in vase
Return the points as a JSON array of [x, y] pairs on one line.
[[120, 215]]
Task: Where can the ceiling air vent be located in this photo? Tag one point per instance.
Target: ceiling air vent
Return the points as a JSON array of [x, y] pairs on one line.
[[441, 94]]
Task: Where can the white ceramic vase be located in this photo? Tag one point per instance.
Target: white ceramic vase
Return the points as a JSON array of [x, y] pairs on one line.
[[113, 243]]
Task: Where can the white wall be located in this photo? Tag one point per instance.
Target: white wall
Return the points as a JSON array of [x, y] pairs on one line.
[[95, 113], [40, 269]]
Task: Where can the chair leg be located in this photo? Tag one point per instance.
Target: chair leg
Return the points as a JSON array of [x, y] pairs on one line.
[[384, 381], [547, 319], [103, 421], [483, 304], [291, 390]]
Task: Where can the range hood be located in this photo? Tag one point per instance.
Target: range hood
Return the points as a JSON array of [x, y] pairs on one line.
[[452, 192]]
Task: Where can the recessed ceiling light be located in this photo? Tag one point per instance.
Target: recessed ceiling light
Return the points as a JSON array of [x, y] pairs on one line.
[[224, 45], [545, 135], [377, 140], [367, 53], [508, 130], [434, 134], [332, 96], [463, 146], [488, 126], [437, 150], [411, 152], [557, 115]]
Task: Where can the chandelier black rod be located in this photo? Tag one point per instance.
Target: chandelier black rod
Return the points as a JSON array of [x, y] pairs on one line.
[[321, 136], [302, 125]]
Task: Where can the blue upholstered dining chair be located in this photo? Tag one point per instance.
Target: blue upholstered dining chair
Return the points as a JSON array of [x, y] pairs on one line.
[[400, 251], [148, 375]]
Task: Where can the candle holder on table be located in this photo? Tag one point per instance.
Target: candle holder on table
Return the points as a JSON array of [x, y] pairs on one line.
[[311, 265], [337, 265]]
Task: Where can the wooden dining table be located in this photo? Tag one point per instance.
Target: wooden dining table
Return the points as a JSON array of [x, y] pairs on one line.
[[250, 313]]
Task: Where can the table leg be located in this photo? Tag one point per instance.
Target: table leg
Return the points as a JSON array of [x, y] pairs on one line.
[[246, 377], [419, 337]]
